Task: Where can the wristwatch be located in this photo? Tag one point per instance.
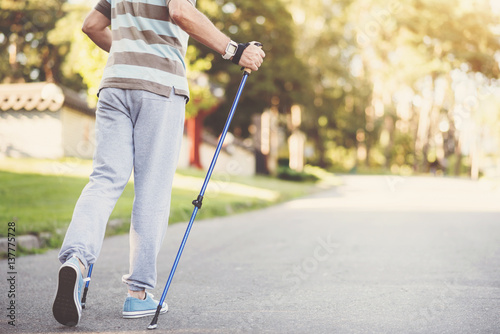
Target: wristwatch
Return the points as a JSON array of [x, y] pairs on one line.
[[231, 48]]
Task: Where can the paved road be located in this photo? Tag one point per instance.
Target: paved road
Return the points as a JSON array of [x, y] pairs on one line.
[[376, 255]]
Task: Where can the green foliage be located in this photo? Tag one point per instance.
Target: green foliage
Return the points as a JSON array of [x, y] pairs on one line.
[[286, 173], [458, 33], [402, 152], [83, 61], [412, 48], [282, 80], [201, 95], [23, 38]]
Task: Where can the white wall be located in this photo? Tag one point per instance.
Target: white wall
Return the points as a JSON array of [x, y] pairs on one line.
[[31, 133], [78, 134]]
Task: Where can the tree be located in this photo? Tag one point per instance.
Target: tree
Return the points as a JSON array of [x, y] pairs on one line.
[[281, 81], [336, 110], [23, 40], [203, 101], [415, 45], [83, 61]]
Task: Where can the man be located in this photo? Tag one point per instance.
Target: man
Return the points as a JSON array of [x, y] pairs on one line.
[[139, 125]]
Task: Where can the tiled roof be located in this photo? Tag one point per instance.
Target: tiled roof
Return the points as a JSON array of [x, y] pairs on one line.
[[40, 96]]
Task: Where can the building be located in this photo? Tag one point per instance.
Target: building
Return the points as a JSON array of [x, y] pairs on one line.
[[44, 120]]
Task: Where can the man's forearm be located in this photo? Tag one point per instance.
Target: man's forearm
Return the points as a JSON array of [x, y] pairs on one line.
[[198, 25], [203, 30]]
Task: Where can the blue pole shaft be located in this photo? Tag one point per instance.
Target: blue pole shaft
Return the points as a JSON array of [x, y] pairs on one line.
[[224, 132], [89, 275], [85, 290], [205, 184]]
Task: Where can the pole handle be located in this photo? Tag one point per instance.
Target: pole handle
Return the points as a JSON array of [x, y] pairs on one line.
[[246, 69]]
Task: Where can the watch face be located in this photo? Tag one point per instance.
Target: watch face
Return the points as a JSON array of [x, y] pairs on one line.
[[231, 48]]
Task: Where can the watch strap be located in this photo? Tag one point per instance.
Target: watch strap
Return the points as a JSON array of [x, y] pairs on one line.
[[239, 52]]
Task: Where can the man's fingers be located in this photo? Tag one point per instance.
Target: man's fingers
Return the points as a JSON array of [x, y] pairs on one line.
[[257, 49], [254, 57]]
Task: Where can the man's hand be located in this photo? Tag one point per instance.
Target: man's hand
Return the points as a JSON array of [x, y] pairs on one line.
[[96, 27], [252, 57]]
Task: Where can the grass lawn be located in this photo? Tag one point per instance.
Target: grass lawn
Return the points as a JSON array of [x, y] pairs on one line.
[[42, 204]]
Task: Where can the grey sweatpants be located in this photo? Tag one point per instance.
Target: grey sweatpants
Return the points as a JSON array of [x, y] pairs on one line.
[[136, 130]]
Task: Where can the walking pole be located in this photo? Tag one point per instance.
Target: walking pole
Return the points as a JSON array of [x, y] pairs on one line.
[[89, 274], [198, 201]]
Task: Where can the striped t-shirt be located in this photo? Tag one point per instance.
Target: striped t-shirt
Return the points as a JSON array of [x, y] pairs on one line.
[[148, 48]]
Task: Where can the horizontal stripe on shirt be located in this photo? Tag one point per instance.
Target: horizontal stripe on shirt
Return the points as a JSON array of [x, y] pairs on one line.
[[146, 73], [148, 36], [141, 23], [104, 7], [154, 87], [160, 50], [147, 60], [146, 10]]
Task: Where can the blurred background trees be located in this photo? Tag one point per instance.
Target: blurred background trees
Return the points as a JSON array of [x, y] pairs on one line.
[[27, 54], [402, 86]]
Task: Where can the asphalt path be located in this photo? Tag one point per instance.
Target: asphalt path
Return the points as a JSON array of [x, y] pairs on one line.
[[379, 254]]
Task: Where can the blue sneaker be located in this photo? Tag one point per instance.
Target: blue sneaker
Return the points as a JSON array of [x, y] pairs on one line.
[[67, 308], [136, 308]]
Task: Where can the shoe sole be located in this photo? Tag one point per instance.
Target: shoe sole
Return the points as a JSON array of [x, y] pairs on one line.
[[140, 314], [66, 308]]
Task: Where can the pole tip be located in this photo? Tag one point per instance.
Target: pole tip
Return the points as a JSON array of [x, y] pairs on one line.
[[154, 322]]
